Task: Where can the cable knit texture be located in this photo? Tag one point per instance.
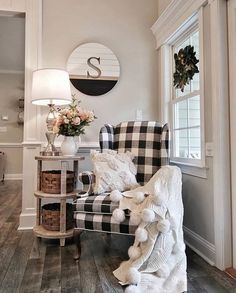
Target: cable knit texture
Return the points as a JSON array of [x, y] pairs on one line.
[[113, 171], [161, 265]]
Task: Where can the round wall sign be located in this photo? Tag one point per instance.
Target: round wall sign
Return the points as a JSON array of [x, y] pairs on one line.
[[93, 68]]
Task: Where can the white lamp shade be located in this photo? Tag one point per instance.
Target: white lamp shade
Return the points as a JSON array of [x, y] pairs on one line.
[[51, 86]]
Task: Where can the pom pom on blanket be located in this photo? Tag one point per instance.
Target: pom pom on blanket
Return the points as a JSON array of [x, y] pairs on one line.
[[148, 215], [134, 252], [141, 235], [118, 215], [138, 197], [163, 226], [116, 196], [133, 276], [132, 289], [135, 218]]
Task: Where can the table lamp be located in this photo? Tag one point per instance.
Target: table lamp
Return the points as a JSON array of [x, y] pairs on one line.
[[50, 87]]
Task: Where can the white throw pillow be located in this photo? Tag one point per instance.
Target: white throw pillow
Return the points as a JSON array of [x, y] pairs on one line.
[[113, 171]]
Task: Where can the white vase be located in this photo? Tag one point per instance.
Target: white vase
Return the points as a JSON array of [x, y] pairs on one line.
[[69, 146]]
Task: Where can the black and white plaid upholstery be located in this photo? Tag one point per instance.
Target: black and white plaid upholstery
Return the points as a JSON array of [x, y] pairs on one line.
[[99, 204], [106, 137], [149, 142], [103, 223]]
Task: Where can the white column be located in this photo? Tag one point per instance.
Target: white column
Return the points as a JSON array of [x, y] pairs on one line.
[[32, 118], [232, 82], [220, 116], [32, 125]]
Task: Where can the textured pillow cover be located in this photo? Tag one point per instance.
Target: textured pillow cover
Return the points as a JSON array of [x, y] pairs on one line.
[[113, 171]]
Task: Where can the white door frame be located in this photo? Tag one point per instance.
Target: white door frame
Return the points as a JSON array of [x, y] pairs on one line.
[[232, 88], [32, 117]]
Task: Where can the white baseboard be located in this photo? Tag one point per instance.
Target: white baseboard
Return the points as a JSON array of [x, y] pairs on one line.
[[200, 245], [13, 176], [27, 221]]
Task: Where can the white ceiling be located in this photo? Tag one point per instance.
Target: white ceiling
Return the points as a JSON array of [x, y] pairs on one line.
[[12, 43]]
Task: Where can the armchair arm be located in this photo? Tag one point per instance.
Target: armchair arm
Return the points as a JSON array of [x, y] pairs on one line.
[[87, 178], [165, 145], [106, 137]]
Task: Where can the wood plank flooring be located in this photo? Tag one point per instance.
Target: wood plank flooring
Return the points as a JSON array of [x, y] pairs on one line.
[[31, 266]]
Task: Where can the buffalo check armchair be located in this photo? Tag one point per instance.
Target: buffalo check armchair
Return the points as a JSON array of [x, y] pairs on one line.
[[148, 141]]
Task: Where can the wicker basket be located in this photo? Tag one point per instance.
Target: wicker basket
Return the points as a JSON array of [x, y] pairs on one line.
[[51, 181], [51, 216]]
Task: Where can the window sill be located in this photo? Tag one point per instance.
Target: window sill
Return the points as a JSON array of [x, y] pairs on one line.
[[192, 170]]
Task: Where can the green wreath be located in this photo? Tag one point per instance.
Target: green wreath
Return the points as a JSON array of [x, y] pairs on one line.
[[185, 67]]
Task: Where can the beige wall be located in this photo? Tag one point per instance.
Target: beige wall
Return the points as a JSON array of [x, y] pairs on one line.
[[12, 45], [124, 27], [12, 88], [162, 4], [14, 158]]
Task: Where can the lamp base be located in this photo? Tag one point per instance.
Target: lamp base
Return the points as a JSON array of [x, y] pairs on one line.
[[50, 153], [50, 149]]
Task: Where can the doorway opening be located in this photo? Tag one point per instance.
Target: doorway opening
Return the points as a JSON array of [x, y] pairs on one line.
[[12, 75]]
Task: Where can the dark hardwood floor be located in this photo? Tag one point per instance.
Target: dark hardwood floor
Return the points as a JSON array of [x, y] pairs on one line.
[[27, 265]]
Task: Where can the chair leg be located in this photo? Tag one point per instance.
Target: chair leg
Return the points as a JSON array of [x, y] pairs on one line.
[[76, 236]]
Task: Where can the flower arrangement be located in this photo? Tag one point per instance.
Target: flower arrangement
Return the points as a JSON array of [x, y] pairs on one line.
[[72, 119]]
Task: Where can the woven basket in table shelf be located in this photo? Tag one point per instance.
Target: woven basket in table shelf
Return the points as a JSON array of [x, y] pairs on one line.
[[51, 216], [51, 181]]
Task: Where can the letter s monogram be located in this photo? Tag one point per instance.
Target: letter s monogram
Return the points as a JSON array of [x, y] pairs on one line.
[[94, 67]]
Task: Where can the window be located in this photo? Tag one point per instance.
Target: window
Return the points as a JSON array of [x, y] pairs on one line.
[[187, 133]]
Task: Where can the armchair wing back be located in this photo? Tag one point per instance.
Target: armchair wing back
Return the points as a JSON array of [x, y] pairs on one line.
[[147, 140]]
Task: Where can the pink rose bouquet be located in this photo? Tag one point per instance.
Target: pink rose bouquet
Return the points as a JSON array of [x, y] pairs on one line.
[[72, 120]]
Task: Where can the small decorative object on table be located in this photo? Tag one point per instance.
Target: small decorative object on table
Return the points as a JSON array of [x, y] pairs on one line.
[[70, 123]]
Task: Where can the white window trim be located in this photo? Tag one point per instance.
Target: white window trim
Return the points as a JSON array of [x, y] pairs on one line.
[[192, 170], [190, 27], [189, 166]]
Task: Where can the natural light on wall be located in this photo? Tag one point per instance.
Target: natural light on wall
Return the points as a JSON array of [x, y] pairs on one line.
[[186, 108]]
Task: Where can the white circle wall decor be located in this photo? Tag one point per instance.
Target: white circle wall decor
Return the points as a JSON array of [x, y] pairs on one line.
[[93, 68]]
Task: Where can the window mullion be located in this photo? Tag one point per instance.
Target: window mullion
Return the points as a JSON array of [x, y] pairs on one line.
[[185, 97], [188, 131]]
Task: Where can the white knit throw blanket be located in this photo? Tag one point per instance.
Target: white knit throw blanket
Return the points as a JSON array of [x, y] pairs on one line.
[[157, 261]]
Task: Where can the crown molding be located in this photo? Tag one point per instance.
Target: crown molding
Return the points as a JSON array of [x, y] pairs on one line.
[[177, 13]]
